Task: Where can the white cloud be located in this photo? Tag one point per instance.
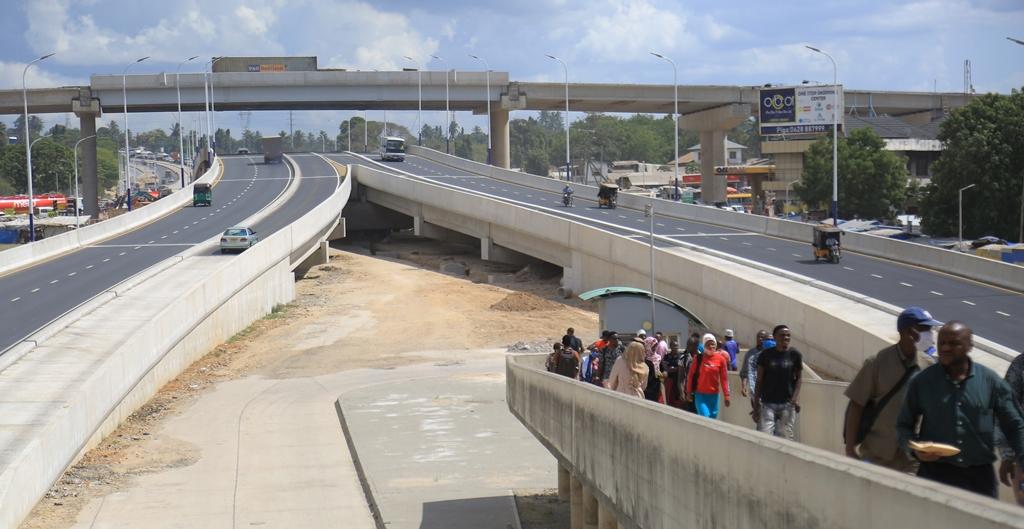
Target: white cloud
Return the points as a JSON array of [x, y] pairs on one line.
[[36, 77], [371, 38], [623, 31], [254, 22]]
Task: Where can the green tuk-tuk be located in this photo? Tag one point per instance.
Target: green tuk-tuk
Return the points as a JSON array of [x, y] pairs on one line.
[[202, 195]]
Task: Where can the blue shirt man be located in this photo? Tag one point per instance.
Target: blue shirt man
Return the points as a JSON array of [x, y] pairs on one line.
[[732, 348]]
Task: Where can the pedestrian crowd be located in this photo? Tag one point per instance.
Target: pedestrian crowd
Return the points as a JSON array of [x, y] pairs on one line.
[[919, 406], [695, 378]]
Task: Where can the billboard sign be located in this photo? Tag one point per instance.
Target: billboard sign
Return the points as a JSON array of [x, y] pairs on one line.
[[799, 110], [257, 68]]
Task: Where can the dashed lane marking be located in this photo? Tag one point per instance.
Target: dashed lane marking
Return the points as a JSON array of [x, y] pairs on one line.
[[771, 249], [90, 266], [34, 290], [876, 275], [937, 293], [72, 274], [15, 299], [906, 284], [795, 254], [1001, 313], [847, 268], [964, 301], [748, 244], [54, 281]]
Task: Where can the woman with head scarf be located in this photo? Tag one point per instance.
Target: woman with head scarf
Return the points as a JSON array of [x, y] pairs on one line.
[[708, 375], [629, 373], [652, 357]]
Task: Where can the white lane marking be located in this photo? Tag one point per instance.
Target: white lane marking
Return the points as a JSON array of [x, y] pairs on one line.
[[529, 196], [795, 254], [771, 249], [175, 232], [187, 227], [72, 274], [15, 299], [906, 284], [122, 253], [967, 302], [603, 212], [90, 266], [848, 268], [136, 248], [55, 281], [622, 216], [681, 229], [748, 244], [937, 293], [1001, 313], [107, 259], [150, 242], [660, 224], [724, 238], [163, 236], [876, 275], [34, 290]]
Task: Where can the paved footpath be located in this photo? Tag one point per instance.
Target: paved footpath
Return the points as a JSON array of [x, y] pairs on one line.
[[437, 441]]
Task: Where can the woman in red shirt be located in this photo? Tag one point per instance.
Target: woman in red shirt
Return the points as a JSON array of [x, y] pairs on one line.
[[708, 373]]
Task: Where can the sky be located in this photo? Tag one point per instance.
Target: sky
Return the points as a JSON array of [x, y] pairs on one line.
[[878, 44]]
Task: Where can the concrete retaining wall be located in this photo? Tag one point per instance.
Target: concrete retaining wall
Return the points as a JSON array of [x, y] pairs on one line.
[[970, 266], [30, 254], [658, 468], [836, 334], [107, 363]]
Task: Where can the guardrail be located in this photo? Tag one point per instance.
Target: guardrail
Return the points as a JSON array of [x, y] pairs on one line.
[[997, 273], [110, 361], [656, 467], [29, 254]]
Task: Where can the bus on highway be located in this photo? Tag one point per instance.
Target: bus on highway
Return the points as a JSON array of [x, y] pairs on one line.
[[392, 148]]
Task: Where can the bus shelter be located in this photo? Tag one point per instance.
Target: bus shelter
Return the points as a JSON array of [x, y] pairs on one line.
[[625, 310]]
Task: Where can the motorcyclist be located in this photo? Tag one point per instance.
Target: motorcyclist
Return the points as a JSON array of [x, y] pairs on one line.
[[567, 195]]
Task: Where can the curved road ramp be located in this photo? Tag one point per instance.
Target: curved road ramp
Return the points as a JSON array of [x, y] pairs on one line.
[[73, 388], [644, 465]]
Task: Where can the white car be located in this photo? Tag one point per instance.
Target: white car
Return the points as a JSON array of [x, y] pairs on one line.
[[237, 238]]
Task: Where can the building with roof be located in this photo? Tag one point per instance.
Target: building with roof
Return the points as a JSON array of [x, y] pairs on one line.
[[733, 151], [918, 143]]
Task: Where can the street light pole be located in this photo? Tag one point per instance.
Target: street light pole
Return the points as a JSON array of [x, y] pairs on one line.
[[78, 222], [213, 114], [181, 137], [127, 151], [366, 136], [788, 184], [1020, 234], [350, 132], [568, 160], [488, 67], [649, 212], [28, 149], [419, 113], [675, 118], [447, 112], [960, 208], [835, 136]]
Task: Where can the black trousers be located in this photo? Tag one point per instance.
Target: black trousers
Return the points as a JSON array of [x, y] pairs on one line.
[[980, 479]]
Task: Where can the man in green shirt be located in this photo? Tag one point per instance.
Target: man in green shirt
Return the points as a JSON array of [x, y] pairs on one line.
[[960, 403]]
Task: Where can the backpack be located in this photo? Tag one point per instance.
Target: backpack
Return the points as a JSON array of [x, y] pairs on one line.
[[873, 408]]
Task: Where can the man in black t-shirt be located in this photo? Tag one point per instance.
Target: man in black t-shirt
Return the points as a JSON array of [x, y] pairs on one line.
[[778, 386], [570, 340]]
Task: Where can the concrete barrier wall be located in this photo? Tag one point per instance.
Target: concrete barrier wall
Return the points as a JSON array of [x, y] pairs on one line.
[[30, 254], [659, 468], [140, 339], [970, 266], [837, 334]]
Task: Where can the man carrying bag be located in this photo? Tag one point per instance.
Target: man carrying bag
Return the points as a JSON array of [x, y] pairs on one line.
[[876, 393]]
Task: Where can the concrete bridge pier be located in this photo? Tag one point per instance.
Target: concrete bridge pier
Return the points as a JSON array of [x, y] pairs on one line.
[[564, 480], [576, 514], [589, 508], [713, 124], [493, 252], [422, 228], [88, 109], [500, 146], [606, 517]]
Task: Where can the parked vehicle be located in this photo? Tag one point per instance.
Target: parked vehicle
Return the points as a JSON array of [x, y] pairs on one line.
[[237, 238]]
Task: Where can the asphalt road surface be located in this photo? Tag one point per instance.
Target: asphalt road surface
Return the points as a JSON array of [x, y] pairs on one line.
[[39, 294], [992, 312]]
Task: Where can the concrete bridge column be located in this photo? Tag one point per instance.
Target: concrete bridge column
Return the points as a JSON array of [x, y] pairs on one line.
[[500, 138], [576, 504], [563, 482], [493, 252], [713, 124], [606, 518], [589, 509], [88, 109]]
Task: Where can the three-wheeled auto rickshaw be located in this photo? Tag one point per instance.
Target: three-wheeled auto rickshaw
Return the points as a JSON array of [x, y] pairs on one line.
[[826, 243], [607, 195], [202, 195]]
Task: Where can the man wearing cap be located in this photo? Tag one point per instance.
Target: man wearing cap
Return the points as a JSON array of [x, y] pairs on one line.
[[608, 355], [730, 346], [877, 391]]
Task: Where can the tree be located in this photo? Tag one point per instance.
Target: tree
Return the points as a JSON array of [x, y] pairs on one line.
[[982, 146], [52, 163], [872, 180], [35, 128]]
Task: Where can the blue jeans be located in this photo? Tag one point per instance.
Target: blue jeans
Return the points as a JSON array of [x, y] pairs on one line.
[[707, 404]]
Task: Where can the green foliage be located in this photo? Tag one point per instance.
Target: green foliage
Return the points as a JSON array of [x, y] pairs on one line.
[[983, 146], [872, 180], [52, 163]]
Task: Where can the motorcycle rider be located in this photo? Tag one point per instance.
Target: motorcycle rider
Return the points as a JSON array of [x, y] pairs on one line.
[[567, 195]]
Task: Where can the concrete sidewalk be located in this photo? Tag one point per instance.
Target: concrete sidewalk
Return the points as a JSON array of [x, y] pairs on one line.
[[440, 448]]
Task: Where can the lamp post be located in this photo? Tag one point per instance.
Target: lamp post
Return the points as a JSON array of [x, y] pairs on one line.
[[488, 67], [568, 160], [350, 132], [1020, 234], [32, 145], [447, 112], [127, 151], [28, 147], [960, 216], [675, 118], [787, 188], [366, 134], [78, 222], [181, 138], [213, 114], [649, 213], [835, 136], [419, 91]]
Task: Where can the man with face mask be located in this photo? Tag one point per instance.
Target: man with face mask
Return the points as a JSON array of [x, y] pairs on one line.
[[876, 393]]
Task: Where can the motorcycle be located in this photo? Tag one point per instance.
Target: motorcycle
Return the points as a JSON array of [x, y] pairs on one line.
[[567, 200]]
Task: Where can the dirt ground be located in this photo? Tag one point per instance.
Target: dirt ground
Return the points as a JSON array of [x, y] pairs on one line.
[[396, 307], [541, 509]]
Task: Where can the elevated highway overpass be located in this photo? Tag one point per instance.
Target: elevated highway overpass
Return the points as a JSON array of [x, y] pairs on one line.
[[709, 109]]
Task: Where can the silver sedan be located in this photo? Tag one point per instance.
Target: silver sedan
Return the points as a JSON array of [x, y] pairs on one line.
[[238, 238]]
